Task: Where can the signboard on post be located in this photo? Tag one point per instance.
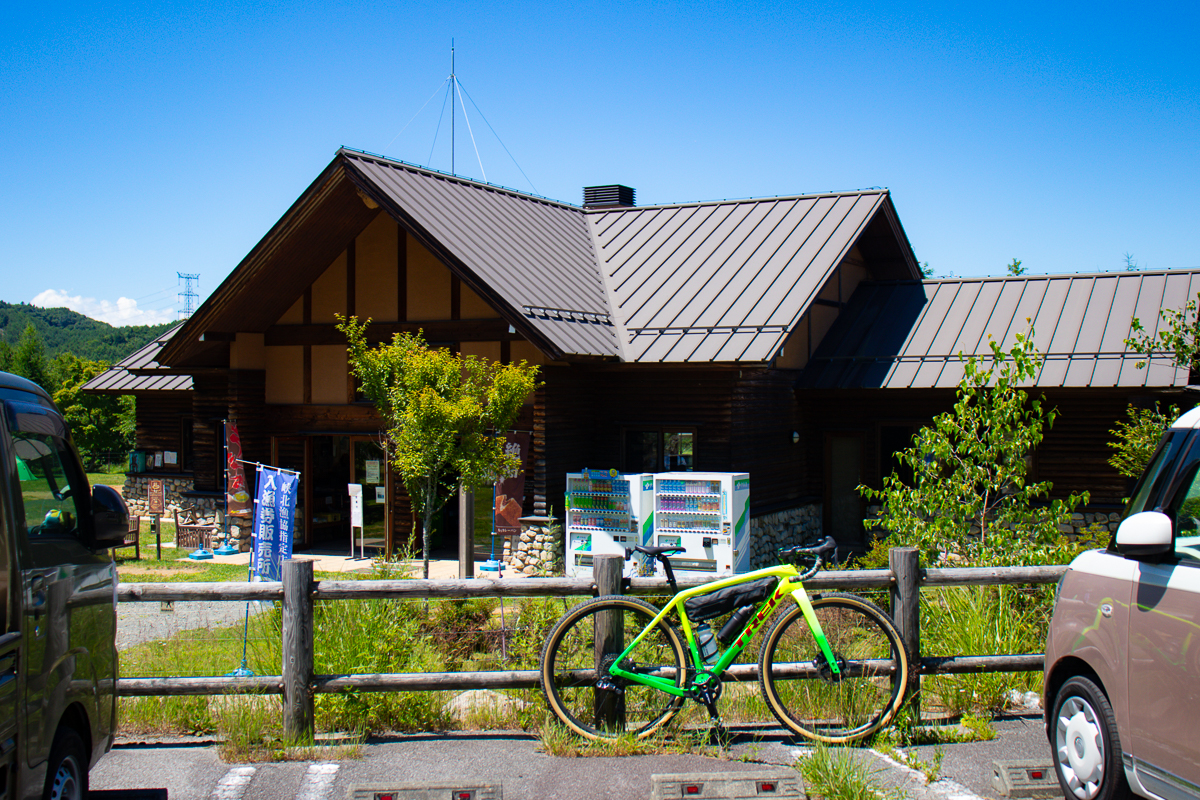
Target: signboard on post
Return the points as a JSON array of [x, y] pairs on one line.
[[156, 502], [356, 517], [274, 514]]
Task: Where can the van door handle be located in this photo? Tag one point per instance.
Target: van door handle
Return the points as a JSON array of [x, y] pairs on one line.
[[37, 595]]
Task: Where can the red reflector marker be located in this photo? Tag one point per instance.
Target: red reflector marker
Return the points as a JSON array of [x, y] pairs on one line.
[[765, 786], [1035, 774], [691, 788]]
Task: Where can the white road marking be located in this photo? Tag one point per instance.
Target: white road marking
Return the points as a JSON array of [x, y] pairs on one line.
[[318, 782], [233, 785], [943, 787]]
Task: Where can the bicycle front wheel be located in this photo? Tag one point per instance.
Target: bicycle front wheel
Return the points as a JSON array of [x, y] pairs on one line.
[[585, 642], [802, 690]]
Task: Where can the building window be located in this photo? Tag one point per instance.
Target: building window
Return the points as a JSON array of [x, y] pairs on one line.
[[667, 448]]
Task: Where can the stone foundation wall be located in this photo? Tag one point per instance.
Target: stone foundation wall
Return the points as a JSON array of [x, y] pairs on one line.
[[202, 509], [770, 532], [539, 548]]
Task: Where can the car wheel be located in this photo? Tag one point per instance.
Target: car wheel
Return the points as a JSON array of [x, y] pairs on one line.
[[67, 770], [1087, 752]]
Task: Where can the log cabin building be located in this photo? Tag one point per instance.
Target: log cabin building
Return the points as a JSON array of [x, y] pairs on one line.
[[791, 338]]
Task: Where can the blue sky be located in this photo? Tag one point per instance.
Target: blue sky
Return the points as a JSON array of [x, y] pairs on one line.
[[147, 139]]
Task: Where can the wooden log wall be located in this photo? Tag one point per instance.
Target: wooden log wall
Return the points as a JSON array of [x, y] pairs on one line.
[[1073, 456], [586, 408], [158, 422], [765, 413], [233, 394]]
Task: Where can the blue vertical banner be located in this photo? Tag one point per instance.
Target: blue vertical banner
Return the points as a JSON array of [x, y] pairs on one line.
[[274, 513]]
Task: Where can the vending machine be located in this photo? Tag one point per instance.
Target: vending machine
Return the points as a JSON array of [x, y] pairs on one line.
[[708, 514], [607, 512]]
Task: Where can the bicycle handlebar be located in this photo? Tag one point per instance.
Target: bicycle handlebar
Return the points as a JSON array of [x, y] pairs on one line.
[[820, 554]]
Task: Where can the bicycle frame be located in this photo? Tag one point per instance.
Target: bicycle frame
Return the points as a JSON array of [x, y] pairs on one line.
[[789, 583]]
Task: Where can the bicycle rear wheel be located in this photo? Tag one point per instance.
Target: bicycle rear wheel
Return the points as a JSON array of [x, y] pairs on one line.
[[803, 692], [596, 632]]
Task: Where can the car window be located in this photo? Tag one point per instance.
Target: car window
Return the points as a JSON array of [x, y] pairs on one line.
[[1184, 512], [50, 486], [1150, 484]]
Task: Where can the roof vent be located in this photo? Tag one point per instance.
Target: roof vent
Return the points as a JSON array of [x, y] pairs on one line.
[[602, 196]]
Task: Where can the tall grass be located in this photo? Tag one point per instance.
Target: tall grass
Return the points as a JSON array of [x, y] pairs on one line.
[[984, 620]]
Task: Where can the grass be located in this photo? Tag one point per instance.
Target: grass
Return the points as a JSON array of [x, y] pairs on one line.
[[983, 620], [559, 741], [839, 773], [107, 478]]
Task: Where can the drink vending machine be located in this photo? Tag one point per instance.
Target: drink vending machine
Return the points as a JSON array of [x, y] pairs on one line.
[[708, 514], [607, 512]]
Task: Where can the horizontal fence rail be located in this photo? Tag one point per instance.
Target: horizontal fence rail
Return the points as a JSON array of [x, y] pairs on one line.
[[903, 580]]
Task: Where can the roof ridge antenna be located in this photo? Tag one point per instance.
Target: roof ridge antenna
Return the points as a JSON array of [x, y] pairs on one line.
[[454, 88]]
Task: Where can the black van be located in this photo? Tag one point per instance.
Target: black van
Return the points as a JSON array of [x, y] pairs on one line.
[[58, 601]]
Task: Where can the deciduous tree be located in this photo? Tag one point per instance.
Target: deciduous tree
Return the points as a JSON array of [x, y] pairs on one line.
[[445, 414], [970, 498]]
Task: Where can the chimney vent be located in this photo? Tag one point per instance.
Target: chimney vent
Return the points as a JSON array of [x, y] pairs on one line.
[[616, 196]]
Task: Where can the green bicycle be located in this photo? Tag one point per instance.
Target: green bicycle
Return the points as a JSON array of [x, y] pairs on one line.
[[831, 667]]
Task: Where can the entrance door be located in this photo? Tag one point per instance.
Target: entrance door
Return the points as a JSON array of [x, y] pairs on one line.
[[843, 504], [371, 471]]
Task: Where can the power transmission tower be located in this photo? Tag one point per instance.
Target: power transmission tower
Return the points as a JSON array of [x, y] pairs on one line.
[[188, 296]]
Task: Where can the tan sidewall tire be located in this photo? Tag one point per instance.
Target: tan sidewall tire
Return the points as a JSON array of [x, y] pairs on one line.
[[587, 608], [781, 624]]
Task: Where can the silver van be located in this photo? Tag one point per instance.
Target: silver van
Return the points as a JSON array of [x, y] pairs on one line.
[[1122, 685], [58, 657]]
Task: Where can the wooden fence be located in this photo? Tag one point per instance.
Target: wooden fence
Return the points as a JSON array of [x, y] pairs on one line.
[[298, 591]]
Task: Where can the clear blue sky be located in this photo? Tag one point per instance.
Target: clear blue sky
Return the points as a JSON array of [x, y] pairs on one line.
[[149, 139]]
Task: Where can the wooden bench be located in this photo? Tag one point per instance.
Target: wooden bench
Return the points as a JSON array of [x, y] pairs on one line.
[[132, 538], [191, 536]]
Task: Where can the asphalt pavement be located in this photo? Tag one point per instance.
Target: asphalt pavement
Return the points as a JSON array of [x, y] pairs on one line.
[[191, 769]]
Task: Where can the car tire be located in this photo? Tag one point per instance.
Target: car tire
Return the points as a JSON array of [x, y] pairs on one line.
[[67, 769], [1087, 750]]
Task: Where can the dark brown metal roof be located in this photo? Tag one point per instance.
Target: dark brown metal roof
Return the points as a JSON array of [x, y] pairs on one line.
[[909, 334], [140, 372], [724, 281]]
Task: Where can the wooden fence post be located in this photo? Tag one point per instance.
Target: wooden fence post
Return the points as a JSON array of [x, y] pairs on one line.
[[298, 650], [466, 533], [906, 613], [609, 707]]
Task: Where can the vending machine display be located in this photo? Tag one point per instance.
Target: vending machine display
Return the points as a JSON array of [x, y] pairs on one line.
[[603, 512], [706, 513]]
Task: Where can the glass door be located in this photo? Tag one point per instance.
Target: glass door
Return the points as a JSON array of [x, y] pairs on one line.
[[370, 470]]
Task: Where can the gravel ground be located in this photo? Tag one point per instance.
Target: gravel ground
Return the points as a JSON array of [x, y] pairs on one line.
[[145, 622]]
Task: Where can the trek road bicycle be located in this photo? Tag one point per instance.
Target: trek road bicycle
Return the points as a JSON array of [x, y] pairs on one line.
[[831, 667]]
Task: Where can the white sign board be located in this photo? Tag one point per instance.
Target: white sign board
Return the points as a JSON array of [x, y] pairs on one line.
[[356, 504]]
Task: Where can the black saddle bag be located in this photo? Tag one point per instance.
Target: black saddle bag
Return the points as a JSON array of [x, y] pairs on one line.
[[723, 601]]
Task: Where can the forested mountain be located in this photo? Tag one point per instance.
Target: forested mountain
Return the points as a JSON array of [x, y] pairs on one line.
[[65, 331]]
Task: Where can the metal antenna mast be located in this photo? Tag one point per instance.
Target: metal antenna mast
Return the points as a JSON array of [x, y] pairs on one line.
[[188, 295], [453, 88]]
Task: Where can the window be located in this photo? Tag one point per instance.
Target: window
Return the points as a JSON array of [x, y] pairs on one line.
[[49, 484], [669, 448], [1184, 512]]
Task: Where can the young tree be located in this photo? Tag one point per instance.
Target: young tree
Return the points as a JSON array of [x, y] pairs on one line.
[[445, 414], [1015, 268], [1138, 438], [970, 498]]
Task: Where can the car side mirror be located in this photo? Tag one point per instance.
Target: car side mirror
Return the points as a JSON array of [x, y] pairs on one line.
[[110, 516], [1147, 533]]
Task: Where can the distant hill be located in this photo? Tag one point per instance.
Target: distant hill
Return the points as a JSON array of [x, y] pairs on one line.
[[63, 330]]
